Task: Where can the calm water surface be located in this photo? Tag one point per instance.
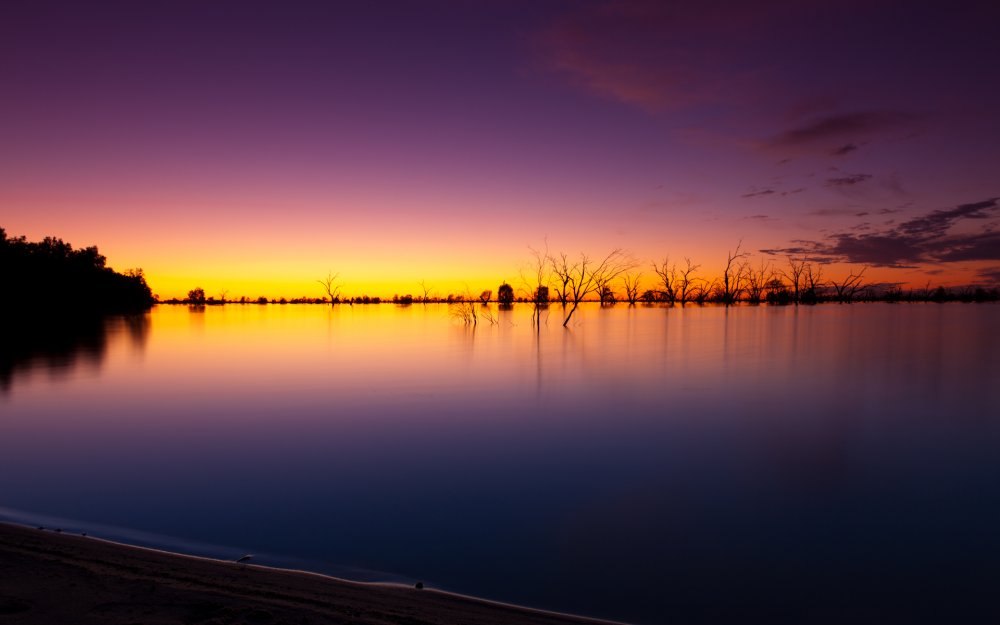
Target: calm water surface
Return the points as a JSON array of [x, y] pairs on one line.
[[703, 465]]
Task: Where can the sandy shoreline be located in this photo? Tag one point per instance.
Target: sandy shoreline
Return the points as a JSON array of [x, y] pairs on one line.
[[48, 577]]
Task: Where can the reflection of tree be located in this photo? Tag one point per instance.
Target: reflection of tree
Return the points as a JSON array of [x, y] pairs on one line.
[[60, 345]]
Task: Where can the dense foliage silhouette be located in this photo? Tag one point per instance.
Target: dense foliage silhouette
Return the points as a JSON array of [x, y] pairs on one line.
[[49, 275]]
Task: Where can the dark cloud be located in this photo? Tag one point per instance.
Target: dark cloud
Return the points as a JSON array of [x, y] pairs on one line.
[[848, 180], [990, 274], [937, 222], [758, 217], [755, 192], [843, 150], [928, 238], [833, 212], [847, 126]]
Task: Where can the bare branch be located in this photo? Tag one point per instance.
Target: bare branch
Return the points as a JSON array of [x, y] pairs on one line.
[[332, 289], [631, 283]]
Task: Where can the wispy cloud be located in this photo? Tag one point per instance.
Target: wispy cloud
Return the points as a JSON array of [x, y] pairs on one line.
[[848, 180], [843, 150], [658, 55], [843, 126], [928, 238], [839, 134], [758, 192], [990, 274]]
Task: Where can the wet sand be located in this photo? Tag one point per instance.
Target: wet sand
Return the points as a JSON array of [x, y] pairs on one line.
[[48, 577]]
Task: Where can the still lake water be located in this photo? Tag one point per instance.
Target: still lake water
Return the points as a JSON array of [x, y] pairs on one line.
[[824, 464]]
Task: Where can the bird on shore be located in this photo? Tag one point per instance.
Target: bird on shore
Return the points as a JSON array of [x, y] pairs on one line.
[[244, 559]]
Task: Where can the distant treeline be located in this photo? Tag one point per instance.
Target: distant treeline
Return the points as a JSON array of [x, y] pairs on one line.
[[617, 277], [49, 276], [775, 295]]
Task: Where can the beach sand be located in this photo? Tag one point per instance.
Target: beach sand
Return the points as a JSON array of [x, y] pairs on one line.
[[50, 578]]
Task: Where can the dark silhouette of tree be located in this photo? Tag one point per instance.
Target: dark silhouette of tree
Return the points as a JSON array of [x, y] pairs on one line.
[[733, 276], [813, 281], [331, 287], [686, 284], [668, 278], [563, 271], [606, 295], [485, 296], [505, 294], [536, 281], [796, 267], [196, 296], [50, 275], [427, 295], [757, 281], [585, 276], [631, 282], [848, 287], [463, 308]]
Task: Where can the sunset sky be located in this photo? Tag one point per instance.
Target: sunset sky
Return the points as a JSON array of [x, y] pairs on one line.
[[255, 146]]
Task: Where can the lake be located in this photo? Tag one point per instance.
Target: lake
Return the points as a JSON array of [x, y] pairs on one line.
[[828, 464]]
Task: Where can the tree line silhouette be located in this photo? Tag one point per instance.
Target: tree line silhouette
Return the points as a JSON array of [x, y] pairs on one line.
[[49, 276], [562, 279]]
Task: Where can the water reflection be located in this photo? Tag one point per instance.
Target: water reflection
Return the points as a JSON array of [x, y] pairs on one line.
[[829, 464], [60, 347]]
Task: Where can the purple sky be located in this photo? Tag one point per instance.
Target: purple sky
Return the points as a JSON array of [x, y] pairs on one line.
[[252, 146]]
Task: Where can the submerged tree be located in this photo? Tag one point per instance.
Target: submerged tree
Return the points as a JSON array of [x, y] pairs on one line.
[[631, 282], [757, 281], [848, 287], [505, 294], [668, 278], [331, 287], [796, 267], [585, 276], [535, 277], [733, 276], [687, 285]]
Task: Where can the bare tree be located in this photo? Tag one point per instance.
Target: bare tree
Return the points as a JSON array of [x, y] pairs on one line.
[[586, 275], [757, 281], [464, 309], [796, 267], [849, 287], [535, 278], [733, 276], [563, 271], [331, 287], [427, 291], [705, 290], [606, 294], [222, 295], [686, 284], [631, 281], [485, 296], [668, 278], [813, 281]]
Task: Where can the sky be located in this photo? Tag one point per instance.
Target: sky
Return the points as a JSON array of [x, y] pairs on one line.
[[254, 147]]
